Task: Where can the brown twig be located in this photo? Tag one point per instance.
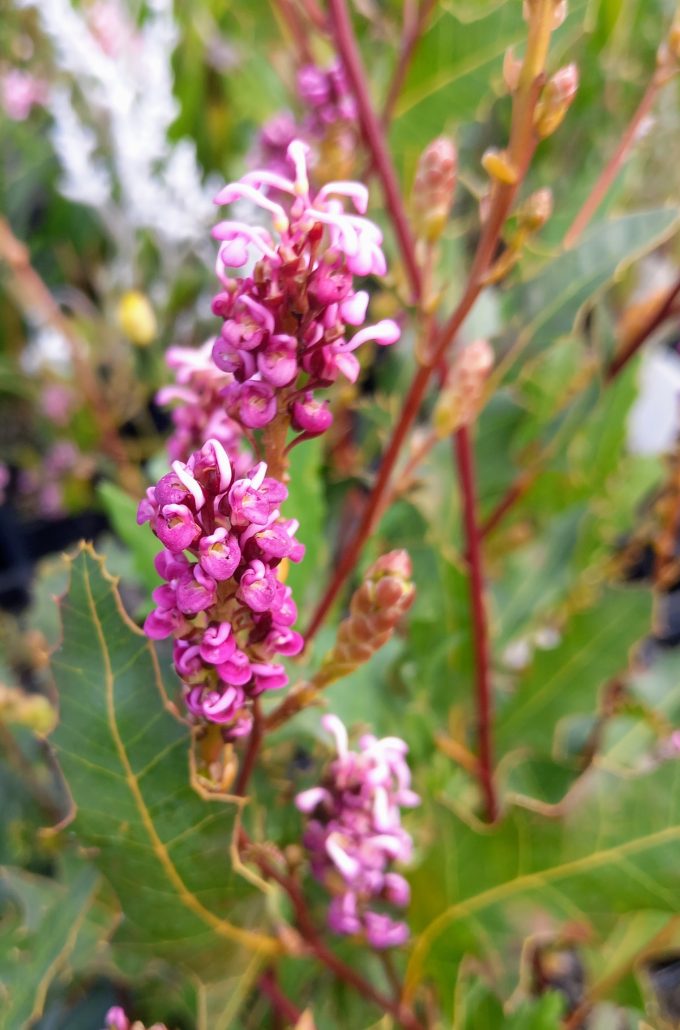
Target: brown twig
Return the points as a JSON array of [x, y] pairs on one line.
[[374, 136], [413, 29], [520, 151], [483, 694], [616, 161]]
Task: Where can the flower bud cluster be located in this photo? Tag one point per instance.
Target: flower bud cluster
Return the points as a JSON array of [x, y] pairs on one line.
[[116, 1019], [199, 414], [433, 188], [556, 99], [354, 834], [459, 402], [223, 540], [376, 608], [285, 324]]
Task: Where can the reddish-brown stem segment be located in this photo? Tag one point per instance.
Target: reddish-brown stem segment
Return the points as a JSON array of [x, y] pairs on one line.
[[374, 136], [412, 32], [657, 318], [340, 969], [283, 1006], [483, 696], [613, 166]]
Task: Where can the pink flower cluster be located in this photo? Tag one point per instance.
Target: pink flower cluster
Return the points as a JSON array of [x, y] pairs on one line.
[[324, 92], [329, 111], [284, 331], [223, 539], [354, 834], [199, 414]]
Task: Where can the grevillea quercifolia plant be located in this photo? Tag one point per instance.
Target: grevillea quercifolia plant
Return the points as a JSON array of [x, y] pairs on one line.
[[305, 302]]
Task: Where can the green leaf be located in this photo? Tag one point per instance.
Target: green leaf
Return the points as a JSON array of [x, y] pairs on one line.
[[547, 306], [481, 891], [565, 680], [122, 511], [165, 851], [31, 956]]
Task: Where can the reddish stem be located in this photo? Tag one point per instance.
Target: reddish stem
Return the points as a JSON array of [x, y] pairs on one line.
[[344, 972], [613, 166], [374, 136], [657, 318], [483, 694], [409, 41], [283, 1006]]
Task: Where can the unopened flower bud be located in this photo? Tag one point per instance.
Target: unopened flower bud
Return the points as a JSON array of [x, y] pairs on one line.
[[556, 100], [512, 67], [536, 210], [460, 400], [136, 318], [385, 595], [497, 164], [433, 188]]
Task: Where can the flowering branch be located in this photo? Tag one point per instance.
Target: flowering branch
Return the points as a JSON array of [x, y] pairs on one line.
[[523, 141], [483, 693]]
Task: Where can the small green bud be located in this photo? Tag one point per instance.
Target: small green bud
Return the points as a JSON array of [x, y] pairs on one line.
[[433, 188]]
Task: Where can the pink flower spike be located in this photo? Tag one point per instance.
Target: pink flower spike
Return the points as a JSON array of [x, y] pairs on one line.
[[356, 191]]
